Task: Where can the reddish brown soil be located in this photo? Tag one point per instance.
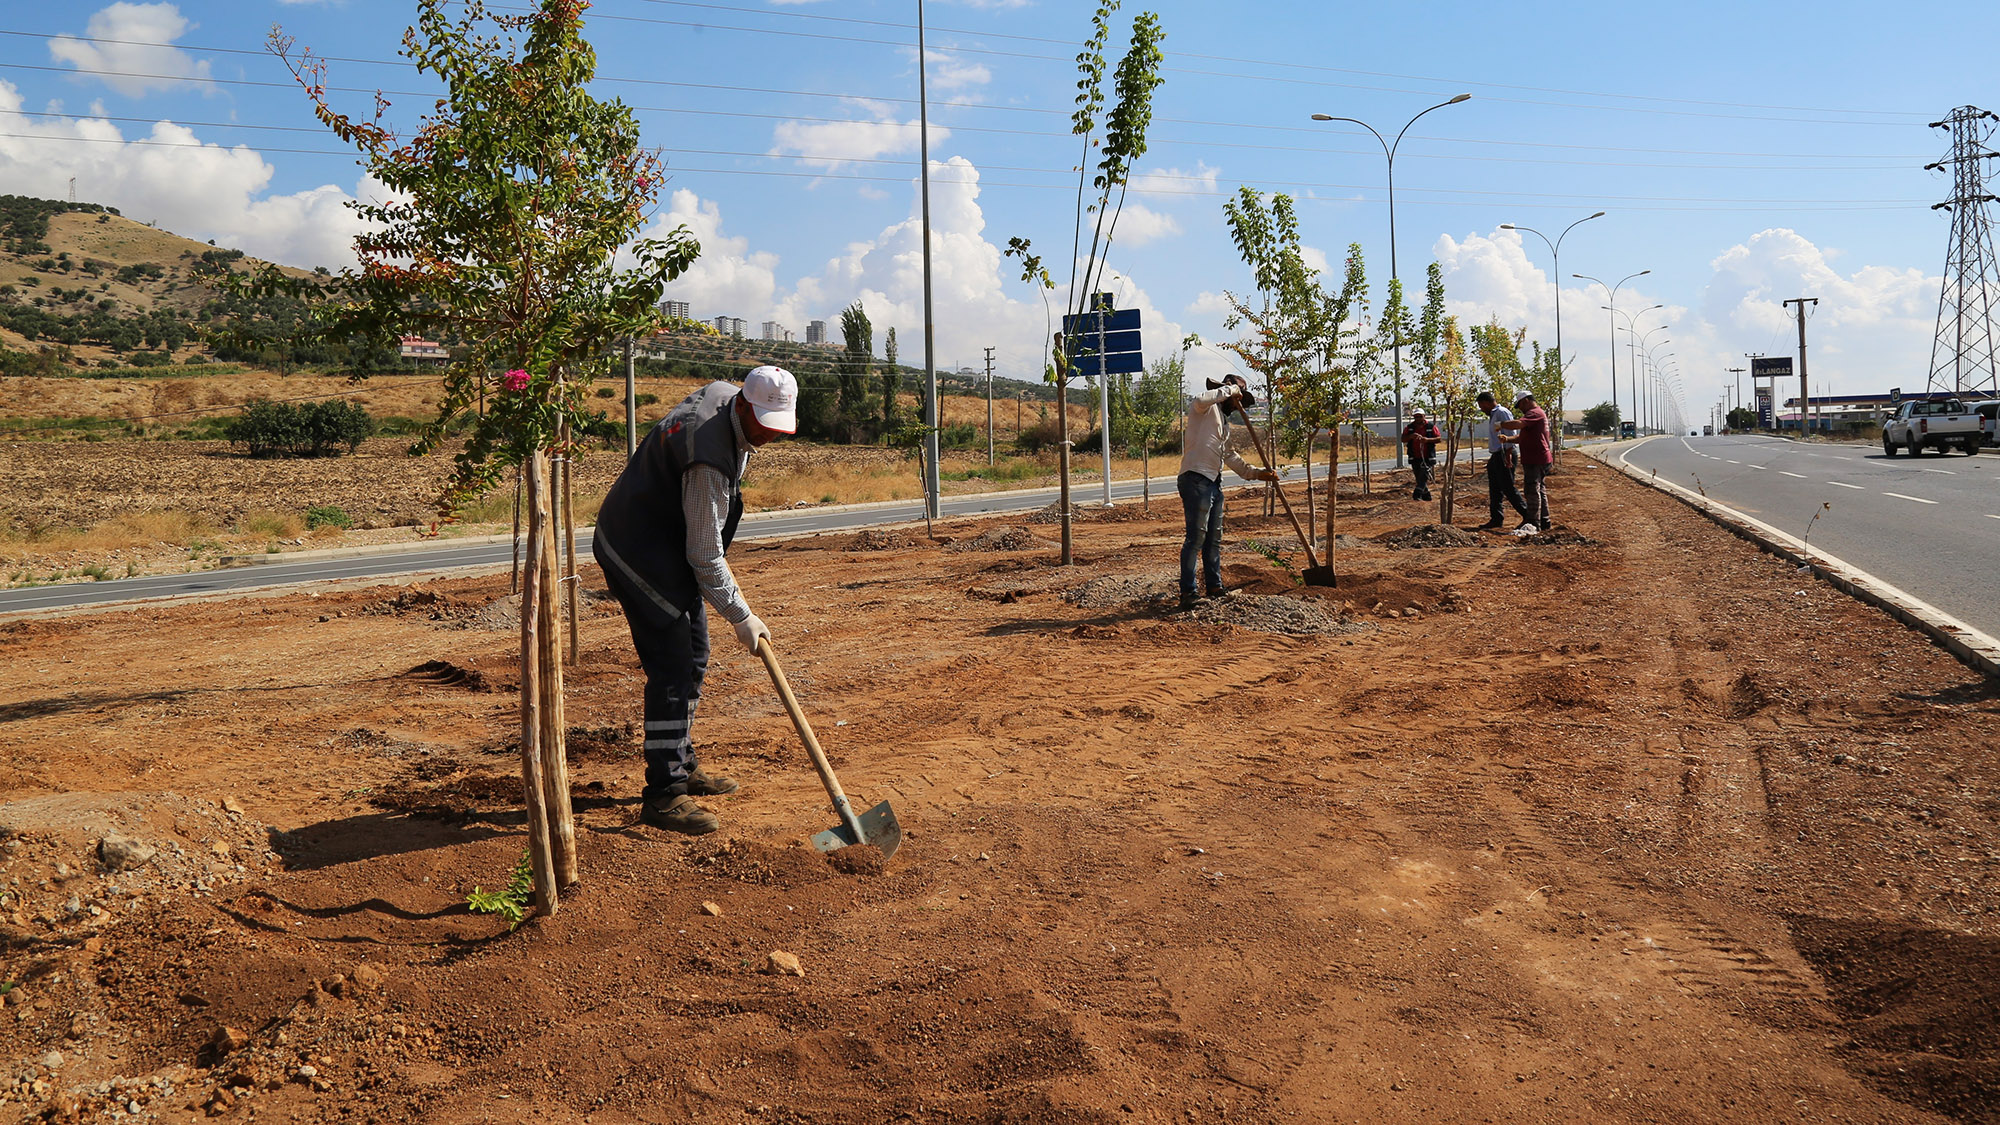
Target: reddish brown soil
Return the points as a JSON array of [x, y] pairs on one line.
[[1650, 830]]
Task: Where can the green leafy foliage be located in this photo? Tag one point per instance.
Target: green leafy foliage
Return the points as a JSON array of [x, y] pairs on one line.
[[499, 226], [1601, 419], [328, 515], [311, 429], [512, 902]]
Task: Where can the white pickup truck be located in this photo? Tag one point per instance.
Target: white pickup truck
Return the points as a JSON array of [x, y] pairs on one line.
[[1942, 424]]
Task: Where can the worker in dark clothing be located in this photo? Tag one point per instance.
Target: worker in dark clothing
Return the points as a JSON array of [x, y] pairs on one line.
[[1421, 437], [661, 535]]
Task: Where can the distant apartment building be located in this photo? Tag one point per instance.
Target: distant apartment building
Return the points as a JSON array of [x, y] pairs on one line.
[[729, 325], [772, 330], [676, 310], [816, 332]]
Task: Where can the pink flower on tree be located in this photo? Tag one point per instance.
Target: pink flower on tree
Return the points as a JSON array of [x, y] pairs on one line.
[[515, 380]]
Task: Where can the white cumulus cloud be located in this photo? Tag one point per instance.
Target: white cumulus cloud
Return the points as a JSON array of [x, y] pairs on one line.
[[170, 178], [828, 145], [129, 47]]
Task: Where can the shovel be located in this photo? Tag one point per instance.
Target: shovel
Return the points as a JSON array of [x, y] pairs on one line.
[[1315, 574], [877, 827]]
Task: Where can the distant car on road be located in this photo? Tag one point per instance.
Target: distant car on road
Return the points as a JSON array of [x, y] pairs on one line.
[[1708, 431], [1942, 424], [1988, 411], [1628, 429]]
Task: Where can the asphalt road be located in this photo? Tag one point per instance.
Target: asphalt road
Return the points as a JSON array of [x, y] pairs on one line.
[[1929, 525], [772, 525]]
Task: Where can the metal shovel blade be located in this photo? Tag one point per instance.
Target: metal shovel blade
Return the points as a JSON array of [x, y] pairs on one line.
[[878, 829]]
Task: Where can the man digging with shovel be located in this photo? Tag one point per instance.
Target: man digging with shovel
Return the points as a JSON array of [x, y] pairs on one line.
[[660, 539], [1204, 450]]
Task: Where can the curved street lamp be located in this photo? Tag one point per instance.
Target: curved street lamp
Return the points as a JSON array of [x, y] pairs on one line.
[[1555, 253], [1389, 151], [1611, 294], [1639, 344], [1631, 324]]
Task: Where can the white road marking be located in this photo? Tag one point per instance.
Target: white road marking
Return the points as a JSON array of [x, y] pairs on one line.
[[1855, 487], [1918, 499], [1946, 472], [1732, 462], [1801, 476], [1991, 516]]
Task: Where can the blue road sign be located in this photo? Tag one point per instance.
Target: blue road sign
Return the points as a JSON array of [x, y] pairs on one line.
[[1085, 324], [1119, 363]]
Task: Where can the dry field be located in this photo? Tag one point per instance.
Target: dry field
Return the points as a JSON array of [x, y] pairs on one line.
[[1626, 824]]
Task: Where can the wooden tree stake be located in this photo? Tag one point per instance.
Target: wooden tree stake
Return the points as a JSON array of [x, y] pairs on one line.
[[533, 599]]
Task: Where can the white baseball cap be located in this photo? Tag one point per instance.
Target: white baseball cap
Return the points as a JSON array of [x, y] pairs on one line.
[[773, 396]]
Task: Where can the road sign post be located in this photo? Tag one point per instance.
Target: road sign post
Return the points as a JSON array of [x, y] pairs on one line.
[[1102, 343]]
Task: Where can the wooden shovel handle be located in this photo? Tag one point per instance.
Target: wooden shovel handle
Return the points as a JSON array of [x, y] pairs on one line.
[[805, 730], [1311, 560]]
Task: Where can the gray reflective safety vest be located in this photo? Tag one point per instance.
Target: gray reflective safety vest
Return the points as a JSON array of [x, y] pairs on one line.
[[641, 520]]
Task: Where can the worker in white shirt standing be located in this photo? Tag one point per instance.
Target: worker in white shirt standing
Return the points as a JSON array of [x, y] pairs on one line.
[[1204, 451]]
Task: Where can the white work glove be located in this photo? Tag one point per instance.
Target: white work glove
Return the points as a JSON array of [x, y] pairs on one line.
[[749, 629]]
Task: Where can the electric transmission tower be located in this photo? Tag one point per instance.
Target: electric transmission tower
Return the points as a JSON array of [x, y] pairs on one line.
[[1962, 354]]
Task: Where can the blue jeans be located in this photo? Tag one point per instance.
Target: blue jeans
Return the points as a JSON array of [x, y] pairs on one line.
[[1201, 501]]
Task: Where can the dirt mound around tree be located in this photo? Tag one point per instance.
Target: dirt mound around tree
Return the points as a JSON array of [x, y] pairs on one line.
[[1002, 539], [875, 540], [1264, 613], [1428, 536], [1081, 512]]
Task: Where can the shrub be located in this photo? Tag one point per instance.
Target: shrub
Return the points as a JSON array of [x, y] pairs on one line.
[[314, 429], [327, 515], [646, 399], [606, 392]]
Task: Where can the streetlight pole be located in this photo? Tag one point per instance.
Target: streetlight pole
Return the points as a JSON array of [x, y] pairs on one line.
[[1555, 255], [1631, 324], [1389, 151], [1639, 341], [1611, 295], [932, 478]]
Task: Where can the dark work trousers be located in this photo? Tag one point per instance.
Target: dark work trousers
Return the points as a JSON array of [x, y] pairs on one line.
[[1535, 484], [673, 650], [1201, 502], [1500, 486], [1421, 468]]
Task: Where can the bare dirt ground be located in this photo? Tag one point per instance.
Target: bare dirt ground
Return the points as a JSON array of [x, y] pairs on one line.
[[1627, 824]]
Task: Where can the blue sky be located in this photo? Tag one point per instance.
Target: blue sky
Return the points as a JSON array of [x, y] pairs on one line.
[[1744, 153]]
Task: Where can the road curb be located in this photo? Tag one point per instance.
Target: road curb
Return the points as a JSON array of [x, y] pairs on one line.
[[1974, 649]]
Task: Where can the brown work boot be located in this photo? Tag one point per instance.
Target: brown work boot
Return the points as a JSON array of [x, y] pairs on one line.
[[679, 814], [701, 783]]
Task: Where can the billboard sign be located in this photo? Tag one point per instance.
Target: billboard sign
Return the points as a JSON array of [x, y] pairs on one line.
[[1771, 367]]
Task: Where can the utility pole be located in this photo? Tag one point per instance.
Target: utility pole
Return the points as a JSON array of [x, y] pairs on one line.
[[1738, 373], [1805, 400], [933, 482], [1753, 357], [989, 405]]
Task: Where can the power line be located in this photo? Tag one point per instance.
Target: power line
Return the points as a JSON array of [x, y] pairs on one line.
[[1231, 75], [1784, 203]]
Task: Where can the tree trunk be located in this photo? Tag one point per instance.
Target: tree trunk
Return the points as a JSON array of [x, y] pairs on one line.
[[533, 597], [517, 529], [1310, 520], [1332, 489]]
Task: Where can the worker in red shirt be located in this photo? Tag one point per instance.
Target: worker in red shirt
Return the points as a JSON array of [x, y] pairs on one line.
[[1421, 437], [1529, 432]]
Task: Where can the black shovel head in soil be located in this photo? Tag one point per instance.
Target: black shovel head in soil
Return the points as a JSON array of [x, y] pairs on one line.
[[878, 829], [1319, 576]]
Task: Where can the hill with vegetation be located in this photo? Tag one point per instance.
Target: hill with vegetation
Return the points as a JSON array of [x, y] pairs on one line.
[[85, 290]]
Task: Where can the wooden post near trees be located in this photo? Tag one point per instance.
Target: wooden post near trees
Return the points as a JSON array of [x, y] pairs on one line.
[[569, 579]]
